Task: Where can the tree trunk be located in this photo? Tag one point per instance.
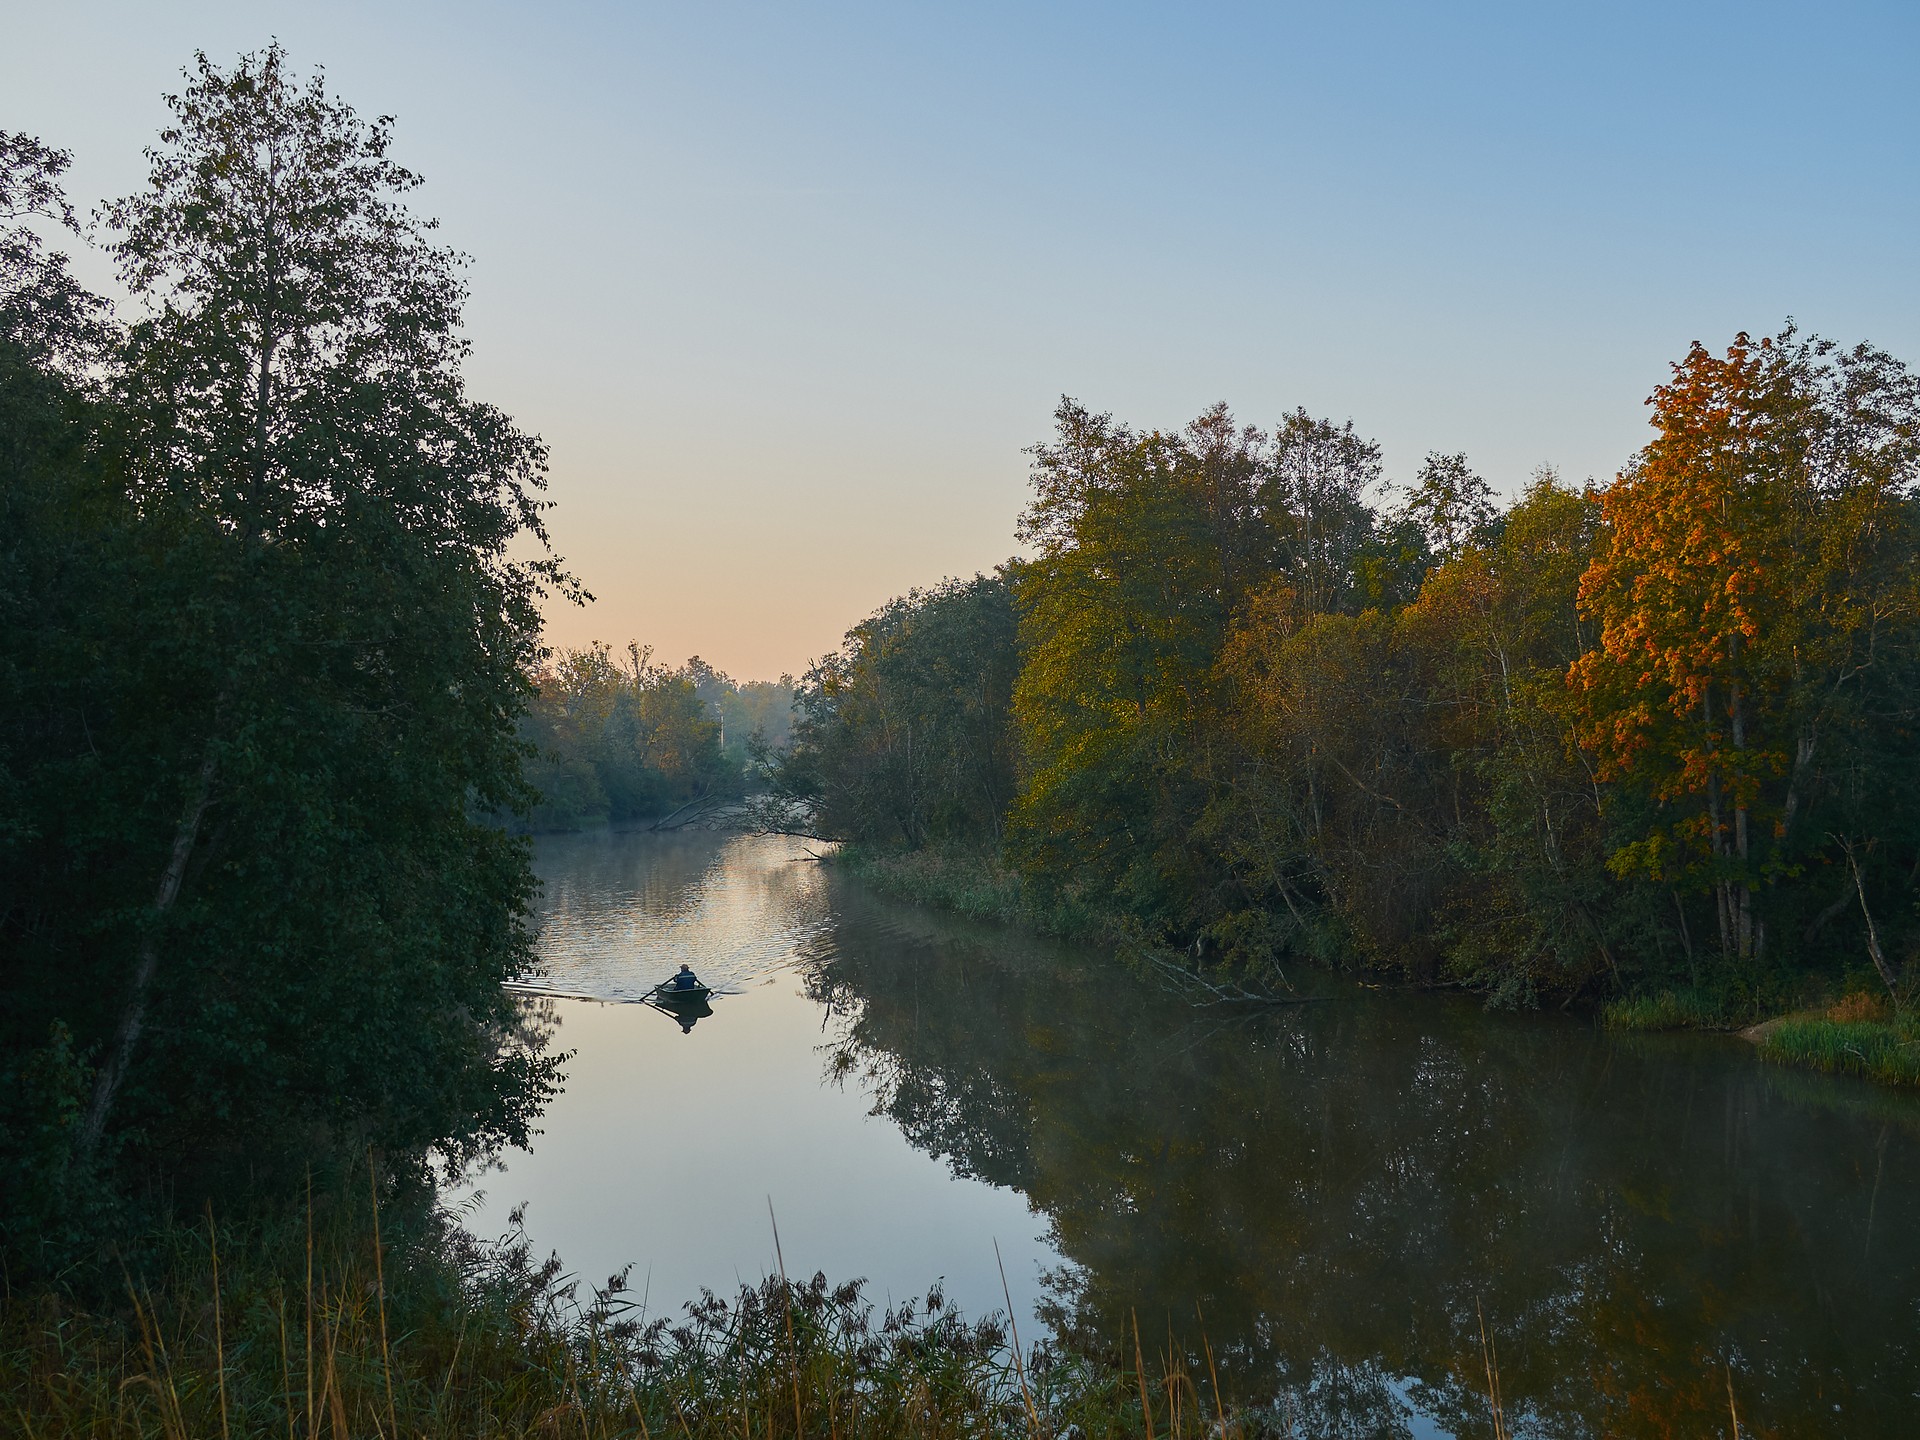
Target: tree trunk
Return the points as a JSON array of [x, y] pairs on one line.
[[133, 1016], [1832, 913], [1802, 758], [1874, 951], [1722, 890], [1686, 938], [1736, 712], [1722, 896]]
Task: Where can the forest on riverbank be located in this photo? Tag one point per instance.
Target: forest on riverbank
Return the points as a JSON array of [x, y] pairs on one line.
[[621, 737], [1654, 742]]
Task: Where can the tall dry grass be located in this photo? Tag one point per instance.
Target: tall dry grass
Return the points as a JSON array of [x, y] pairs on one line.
[[342, 1321], [331, 1323]]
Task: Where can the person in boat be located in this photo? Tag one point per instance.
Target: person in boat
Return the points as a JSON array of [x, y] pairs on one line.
[[686, 980]]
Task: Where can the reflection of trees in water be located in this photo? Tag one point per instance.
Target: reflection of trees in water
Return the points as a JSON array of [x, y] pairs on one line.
[[619, 908], [1338, 1187], [662, 876]]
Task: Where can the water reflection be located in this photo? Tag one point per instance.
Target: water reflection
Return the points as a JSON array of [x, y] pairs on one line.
[[621, 912], [1339, 1195], [685, 1011], [1333, 1195], [666, 1146]]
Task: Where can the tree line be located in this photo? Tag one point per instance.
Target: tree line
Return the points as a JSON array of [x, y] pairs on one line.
[[1246, 700], [620, 737], [270, 582]]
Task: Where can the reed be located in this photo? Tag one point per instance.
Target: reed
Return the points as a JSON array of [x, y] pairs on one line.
[[1886, 1050], [429, 1333], [443, 1336], [1671, 1010]]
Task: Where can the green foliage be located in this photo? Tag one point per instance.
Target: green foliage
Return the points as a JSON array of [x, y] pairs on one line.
[[1261, 715], [1145, 546], [1883, 1049], [1347, 780], [901, 737], [1241, 741], [1148, 547], [617, 741], [265, 636], [1670, 1010], [1404, 771]]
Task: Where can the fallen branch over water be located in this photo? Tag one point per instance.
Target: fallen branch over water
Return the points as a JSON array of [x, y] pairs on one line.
[[1225, 992], [700, 805]]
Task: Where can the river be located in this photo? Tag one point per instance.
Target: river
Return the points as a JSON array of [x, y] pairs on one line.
[[1334, 1197]]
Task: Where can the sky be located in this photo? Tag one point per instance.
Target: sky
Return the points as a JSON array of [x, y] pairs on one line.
[[788, 289]]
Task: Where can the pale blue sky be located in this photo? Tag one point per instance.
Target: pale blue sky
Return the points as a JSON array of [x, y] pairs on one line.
[[788, 288]]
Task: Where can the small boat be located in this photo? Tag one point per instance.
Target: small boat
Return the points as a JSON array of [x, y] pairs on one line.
[[685, 1005], [667, 993]]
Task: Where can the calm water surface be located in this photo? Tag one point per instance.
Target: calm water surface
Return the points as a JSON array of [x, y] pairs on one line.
[[1334, 1193]]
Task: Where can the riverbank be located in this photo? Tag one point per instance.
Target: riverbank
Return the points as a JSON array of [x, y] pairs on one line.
[[338, 1321], [983, 887], [1857, 1034], [980, 886], [327, 1324]]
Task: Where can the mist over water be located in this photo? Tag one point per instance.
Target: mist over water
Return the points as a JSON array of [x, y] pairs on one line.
[[1328, 1196]]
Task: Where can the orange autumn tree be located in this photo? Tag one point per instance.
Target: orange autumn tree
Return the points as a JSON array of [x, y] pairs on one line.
[[1749, 583]]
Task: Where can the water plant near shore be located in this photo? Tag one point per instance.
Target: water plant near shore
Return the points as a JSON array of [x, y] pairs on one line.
[[316, 1325], [1670, 1010], [1860, 1035], [979, 885]]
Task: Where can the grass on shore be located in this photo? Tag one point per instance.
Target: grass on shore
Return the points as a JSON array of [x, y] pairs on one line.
[[318, 1328], [1857, 1036], [1860, 1035], [979, 886], [274, 1330], [1670, 1010]]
